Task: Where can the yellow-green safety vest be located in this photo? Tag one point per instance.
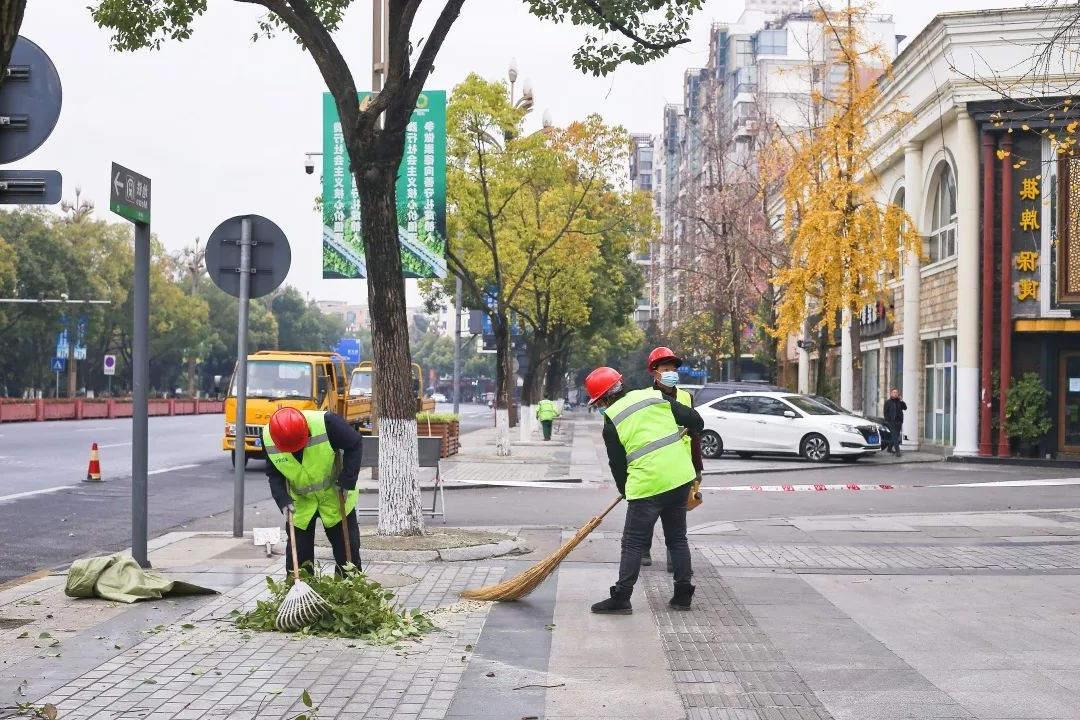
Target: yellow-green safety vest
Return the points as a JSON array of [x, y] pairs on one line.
[[312, 483], [546, 410], [656, 459]]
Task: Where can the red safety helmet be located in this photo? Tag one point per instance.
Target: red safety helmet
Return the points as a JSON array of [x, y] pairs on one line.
[[601, 381], [289, 429], [660, 354]]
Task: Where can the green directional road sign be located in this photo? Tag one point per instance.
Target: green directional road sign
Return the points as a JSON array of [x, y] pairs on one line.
[[129, 194]]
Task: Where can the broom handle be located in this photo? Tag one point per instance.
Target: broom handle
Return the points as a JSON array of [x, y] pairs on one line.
[[292, 546], [610, 507], [344, 526]]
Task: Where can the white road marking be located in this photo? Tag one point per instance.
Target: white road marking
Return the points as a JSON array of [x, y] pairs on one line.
[[29, 493], [159, 471], [550, 484], [1049, 482]]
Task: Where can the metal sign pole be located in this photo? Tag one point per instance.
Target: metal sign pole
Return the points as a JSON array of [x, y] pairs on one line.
[[241, 378], [457, 343], [140, 375]]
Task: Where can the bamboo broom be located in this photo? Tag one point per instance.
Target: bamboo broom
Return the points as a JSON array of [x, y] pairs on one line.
[[521, 585]]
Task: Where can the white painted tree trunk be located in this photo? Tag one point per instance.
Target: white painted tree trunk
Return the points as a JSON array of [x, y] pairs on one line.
[[847, 370], [502, 432], [400, 510], [525, 422]]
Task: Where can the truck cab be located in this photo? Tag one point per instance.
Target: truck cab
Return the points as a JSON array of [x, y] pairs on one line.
[[303, 380], [362, 385]]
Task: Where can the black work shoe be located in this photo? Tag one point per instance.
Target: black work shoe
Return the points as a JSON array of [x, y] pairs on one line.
[[617, 604], [684, 592], [646, 560]]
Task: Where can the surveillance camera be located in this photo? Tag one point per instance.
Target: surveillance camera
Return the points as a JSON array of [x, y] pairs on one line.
[[309, 166]]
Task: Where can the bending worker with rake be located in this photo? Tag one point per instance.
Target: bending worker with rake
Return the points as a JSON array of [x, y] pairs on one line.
[[654, 472], [313, 458]]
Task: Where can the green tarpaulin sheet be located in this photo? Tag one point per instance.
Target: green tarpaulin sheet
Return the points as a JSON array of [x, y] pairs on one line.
[[119, 578]]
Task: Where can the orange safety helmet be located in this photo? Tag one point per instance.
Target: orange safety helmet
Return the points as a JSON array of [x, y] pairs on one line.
[[661, 354], [289, 429], [600, 382]]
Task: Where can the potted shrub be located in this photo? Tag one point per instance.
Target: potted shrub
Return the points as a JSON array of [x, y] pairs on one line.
[[444, 425], [1026, 418]]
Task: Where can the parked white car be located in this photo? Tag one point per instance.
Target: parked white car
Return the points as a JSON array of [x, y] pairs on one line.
[[783, 423]]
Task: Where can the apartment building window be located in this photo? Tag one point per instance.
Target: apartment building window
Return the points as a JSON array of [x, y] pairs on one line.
[[941, 243], [744, 52], [940, 402], [772, 42], [898, 201]]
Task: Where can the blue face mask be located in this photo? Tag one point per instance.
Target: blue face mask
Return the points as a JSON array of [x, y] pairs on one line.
[[669, 378]]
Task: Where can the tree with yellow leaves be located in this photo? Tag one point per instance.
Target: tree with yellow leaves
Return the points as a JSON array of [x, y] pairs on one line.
[[527, 214], [842, 242]]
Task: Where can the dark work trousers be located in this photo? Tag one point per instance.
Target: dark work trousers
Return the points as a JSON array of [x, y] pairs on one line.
[[641, 515], [546, 425], [305, 544], [896, 430]]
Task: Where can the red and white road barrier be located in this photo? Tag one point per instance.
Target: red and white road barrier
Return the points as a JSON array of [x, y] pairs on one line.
[[817, 487]]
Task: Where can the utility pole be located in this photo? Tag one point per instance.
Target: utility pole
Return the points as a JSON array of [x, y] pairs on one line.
[[457, 343]]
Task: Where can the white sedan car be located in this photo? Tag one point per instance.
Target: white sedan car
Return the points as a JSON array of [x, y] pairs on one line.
[[782, 423]]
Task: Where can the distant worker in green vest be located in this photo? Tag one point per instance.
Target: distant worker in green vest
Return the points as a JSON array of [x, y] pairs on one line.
[[546, 412], [663, 365], [653, 471], [312, 456]]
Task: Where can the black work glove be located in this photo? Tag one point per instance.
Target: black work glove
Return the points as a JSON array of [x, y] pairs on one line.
[[347, 484]]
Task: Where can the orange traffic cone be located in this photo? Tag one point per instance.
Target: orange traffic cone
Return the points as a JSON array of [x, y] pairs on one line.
[[93, 473]]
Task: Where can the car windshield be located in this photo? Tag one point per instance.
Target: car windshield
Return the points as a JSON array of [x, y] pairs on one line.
[[276, 379], [361, 385], [808, 406]]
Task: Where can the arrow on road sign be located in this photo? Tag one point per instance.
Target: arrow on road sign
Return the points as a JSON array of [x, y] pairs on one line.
[[117, 183]]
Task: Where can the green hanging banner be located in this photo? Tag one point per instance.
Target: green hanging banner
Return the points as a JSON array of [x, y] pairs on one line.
[[421, 195]]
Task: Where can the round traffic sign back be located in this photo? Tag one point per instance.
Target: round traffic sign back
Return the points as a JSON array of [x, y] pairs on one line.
[[270, 255], [31, 97]]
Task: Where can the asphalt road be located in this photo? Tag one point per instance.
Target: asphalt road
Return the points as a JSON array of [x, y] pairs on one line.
[[192, 487]]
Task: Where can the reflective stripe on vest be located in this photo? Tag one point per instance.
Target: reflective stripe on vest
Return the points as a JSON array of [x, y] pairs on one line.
[[633, 408], [654, 445], [271, 450]]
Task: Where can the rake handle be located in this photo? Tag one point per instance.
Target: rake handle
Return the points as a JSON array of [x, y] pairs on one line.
[[292, 547], [344, 528]]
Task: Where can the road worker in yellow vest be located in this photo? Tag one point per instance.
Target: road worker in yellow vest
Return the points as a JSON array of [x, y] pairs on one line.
[[546, 412], [653, 471], [663, 365], [312, 456]]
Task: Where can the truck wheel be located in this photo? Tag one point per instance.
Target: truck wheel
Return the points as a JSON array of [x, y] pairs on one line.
[[232, 458]]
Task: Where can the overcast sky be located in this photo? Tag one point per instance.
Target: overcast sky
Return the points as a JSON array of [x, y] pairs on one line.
[[221, 124]]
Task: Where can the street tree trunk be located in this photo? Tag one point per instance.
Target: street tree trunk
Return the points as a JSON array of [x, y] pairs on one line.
[[400, 511], [11, 17], [503, 377]]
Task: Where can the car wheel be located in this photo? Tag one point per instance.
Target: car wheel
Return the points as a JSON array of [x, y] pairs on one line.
[[745, 455], [712, 446], [815, 448], [850, 458]]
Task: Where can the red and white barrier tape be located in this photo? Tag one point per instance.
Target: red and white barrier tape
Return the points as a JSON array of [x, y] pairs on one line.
[[817, 487]]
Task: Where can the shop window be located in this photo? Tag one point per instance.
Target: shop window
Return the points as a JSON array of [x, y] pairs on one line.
[[894, 368], [941, 242], [871, 386], [939, 409]]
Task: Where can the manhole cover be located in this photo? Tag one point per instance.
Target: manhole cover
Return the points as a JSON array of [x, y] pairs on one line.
[[10, 623]]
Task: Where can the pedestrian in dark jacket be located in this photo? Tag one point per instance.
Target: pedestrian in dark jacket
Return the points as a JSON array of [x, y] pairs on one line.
[[894, 418]]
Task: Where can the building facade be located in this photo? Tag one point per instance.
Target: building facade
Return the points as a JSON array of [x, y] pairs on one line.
[[984, 167], [641, 179]]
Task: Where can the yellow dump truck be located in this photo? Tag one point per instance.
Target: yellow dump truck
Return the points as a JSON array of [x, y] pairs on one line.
[[361, 385], [303, 380]]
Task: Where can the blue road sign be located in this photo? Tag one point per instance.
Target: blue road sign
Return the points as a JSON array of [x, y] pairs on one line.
[[58, 364], [692, 372], [348, 348]]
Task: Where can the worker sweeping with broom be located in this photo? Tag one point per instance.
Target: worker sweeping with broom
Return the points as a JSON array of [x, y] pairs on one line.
[[654, 472], [308, 480]]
